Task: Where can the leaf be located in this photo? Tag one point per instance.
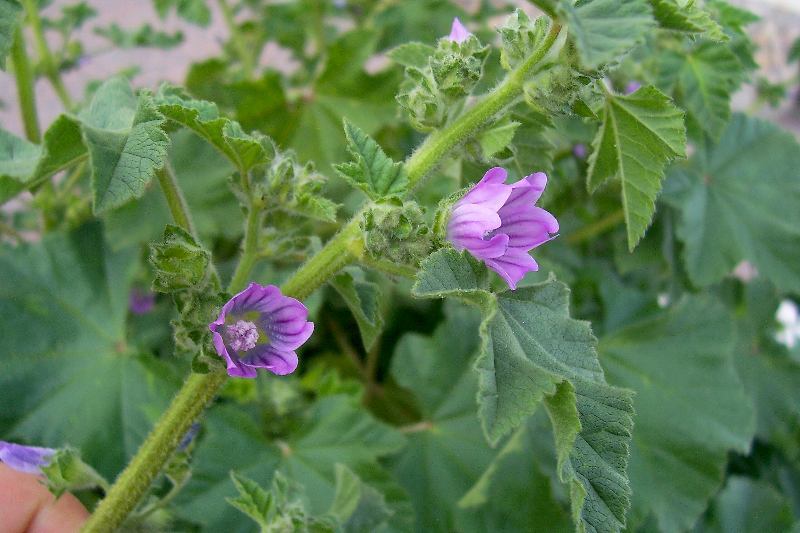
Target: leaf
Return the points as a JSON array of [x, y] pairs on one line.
[[179, 262], [227, 136], [194, 11], [737, 201], [363, 298], [9, 18], [533, 150], [371, 171], [67, 374], [531, 350], [335, 430], [497, 138], [605, 30], [703, 79], [446, 451], [411, 54], [640, 133], [748, 505], [24, 165], [691, 409], [358, 507], [689, 18], [253, 501], [125, 141]]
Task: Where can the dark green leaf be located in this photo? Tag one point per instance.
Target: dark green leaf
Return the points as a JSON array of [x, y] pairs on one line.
[[364, 300], [639, 135], [358, 507], [371, 170], [412, 54], [689, 18], [691, 408], [749, 506]]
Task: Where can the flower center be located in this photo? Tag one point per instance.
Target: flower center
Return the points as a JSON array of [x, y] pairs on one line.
[[241, 336]]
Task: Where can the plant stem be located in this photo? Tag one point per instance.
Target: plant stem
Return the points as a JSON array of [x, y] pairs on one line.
[[439, 143], [249, 249], [175, 200], [45, 57], [389, 267], [236, 39], [133, 482], [597, 227], [24, 79]]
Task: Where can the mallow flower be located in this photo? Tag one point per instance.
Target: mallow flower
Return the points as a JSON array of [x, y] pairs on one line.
[[260, 328], [28, 459], [499, 223], [458, 33]]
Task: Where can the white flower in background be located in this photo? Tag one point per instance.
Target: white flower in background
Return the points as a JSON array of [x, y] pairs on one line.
[[663, 300], [745, 272], [789, 318]]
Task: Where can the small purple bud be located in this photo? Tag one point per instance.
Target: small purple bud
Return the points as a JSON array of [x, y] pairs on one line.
[[632, 87], [28, 459], [499, 224], [141, 302], [260, 328], [580, 151], [458, 33], [187, 439]]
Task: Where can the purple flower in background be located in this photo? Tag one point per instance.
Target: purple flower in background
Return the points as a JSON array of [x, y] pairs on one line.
[[28, 459], [632, 87], [260, 328], [580, 151], [458, 32], [189, 436], [140, 301], [499, 224]]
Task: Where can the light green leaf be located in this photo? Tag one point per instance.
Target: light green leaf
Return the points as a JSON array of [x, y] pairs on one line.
[[702, 80], [125, 141], [371, 170], [336, 430], [738, 201], [253, 501], [531, 349], [227, 136], [194, 11], [639, 135], [9, 18], [446, 452], [24, 165], [498, 137], [364, 300], [691, 408], [605, 30], [67, 373], [749, 506], [689, 18], [358, 507], [411, 54]]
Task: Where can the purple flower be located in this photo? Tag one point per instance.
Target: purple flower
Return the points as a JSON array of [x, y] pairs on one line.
[[141, 302], [260, 328], [28, 459], [632, 87], [580, 151], [458, 32], [499, 224], [189, 436]]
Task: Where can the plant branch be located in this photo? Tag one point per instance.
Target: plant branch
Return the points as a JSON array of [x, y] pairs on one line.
[[25, 90], [439, 143], [252, 231], [175, 200], [45, 57]]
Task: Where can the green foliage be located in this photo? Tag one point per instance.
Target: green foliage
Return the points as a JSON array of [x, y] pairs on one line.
[[363, 298], [125, 142], [66, 472], [523, 362], [747, 505], [726, 217], [194, 11], [520, 38], [358, 507], [371, 170], [690, 407], [9, 18], [686, 17], [144, 36], [639, 135], [396, 231], [179, 261]]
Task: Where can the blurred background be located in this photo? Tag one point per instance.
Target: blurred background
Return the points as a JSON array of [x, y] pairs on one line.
[[179, 44]]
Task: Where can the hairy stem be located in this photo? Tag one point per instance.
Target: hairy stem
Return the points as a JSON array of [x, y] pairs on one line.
[[249, 250], [25, 91], [245, 58], [175, 200], [45, 56], [439, 143]]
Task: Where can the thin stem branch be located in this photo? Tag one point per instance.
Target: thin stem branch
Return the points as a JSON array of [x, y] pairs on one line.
[[439, 143], [597, 227], [249, 256], [45, 57], [389, 267], [175, 200], [245, 58], [25, 89]]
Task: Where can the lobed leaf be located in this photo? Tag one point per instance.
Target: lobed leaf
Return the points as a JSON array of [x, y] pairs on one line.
[[363, 298], [639, 135], [688, 18], [372, 170]]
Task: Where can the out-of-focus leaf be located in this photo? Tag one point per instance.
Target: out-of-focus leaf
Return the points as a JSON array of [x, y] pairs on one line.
[[691, 408], [194, 11], [412, 54], [748, 506], [688, 18], [358, 507], [144, 36], [364, 300], [9, 18]]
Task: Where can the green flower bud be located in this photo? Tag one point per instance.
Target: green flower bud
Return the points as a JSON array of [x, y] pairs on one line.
[[67, 472], [458, 67], [179, 261], [421, 100], [520, 37], [396, 231]]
